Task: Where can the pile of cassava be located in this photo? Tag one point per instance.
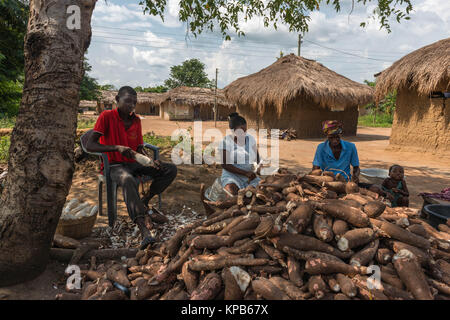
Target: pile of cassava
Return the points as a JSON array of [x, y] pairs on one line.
[[292, 237]]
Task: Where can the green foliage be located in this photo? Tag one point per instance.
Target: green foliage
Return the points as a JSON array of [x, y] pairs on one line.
[[13, 26], [89, 87], [385, 106], [370, 83], [281, 55], [157, 89], [107, 87], [381, 115], [381, 120], [86, 123], [190, 73], [201, 15], [6, 121], [5, 142], [162, 142], [10, 95]]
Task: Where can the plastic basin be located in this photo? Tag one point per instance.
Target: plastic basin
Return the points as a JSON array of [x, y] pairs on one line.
[[437, 213], [373, 175]]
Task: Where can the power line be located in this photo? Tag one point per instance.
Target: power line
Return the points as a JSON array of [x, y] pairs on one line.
[[147, 46], [344, 52], [219, 50], [170, 39], [208, 45], [248, 40]]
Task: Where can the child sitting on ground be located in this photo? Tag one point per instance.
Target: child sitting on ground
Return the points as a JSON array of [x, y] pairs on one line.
[[395, 187]]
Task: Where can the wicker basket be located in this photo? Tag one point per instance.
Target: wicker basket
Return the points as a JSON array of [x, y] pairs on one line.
[[76, 229]]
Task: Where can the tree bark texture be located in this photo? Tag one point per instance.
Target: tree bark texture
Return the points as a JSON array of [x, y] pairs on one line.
[[40, 166]]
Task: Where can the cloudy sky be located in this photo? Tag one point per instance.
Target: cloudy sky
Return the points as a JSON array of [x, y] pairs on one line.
[[130, 48]]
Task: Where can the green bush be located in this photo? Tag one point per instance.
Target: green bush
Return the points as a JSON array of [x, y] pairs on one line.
[[382, 120], [10, 94], [5, 142], [86, 123], [9, 122], [6, 121], [162, 142]]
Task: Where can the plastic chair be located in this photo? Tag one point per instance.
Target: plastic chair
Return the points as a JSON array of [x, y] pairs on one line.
[[111, 186]]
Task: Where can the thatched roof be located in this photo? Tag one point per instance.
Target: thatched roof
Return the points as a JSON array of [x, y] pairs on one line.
[[421, 70], [292, 76], [142, 97], [87, 103], [196, 96]]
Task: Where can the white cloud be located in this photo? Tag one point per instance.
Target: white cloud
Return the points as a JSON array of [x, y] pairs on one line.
[[154, 40], [438, 7], [158, 46], [113, 13], [109, 62], [119, 49], [149, 56]]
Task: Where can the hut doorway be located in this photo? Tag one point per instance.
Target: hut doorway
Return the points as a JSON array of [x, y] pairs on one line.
[[196, 113]]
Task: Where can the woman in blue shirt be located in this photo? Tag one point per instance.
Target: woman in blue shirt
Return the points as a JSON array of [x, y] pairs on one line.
[[335, 154]]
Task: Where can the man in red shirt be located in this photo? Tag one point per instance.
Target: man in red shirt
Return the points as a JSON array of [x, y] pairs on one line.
[[118, 132]]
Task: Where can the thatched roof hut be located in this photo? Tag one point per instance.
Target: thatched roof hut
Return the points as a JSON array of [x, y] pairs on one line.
[[299, 93], [147, 102], [188, 103], [422, 114], [87, 105], [422, 70]]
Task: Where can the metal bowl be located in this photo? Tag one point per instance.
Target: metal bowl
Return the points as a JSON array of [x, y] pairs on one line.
[[373, 175]]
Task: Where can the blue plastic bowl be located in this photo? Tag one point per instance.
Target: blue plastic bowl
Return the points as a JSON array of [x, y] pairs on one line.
[[437, 213]]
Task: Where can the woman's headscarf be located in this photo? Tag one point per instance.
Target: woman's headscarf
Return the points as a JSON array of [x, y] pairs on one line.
[[332, 127]]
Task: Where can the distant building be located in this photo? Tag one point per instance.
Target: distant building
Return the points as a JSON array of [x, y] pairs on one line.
[[422, 113], [147, 102], [86, 105], [298, 93], [191, 103]]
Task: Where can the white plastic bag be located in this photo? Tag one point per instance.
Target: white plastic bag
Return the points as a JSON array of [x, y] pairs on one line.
[[83, 213], [216, 192], [70, 205], [93, 211], [79, 208]]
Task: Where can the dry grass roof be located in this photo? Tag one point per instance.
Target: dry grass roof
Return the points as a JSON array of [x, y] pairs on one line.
[[196, 96], [88, 103], [142, 97], [292, 76], [421, 70]]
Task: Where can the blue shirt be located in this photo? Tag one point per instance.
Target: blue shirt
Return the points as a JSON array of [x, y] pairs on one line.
[[325, 159]]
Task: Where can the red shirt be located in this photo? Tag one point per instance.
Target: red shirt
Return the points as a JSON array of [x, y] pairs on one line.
[[112, 128]]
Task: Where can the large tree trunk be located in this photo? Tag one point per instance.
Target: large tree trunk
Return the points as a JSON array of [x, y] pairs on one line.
[[40, 166]]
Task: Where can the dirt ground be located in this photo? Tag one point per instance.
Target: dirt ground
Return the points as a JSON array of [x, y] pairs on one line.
[[424, 173]]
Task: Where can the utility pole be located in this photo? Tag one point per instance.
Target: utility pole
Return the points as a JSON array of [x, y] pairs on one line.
[[215, 101], [299, 43]]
